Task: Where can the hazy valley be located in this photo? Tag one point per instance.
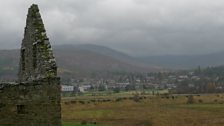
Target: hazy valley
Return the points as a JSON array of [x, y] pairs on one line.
[[83, 60]]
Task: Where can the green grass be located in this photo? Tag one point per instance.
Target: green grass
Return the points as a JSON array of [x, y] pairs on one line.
[[155, 109], [206, 107], [96, 113], [76, 124]]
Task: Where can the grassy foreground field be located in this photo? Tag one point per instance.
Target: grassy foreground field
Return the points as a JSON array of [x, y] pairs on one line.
[[77, 124], [206, 110]]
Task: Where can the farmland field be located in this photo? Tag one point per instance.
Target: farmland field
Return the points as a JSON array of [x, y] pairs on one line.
[[144, 110], [76, 124]]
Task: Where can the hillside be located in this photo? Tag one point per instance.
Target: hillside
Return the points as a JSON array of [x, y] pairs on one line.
[[185, 61], [85, 60], [80, 60]]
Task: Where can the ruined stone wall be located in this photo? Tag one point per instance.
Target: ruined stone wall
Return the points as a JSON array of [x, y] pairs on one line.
[[36, 60], [35, 103], [35, 99]]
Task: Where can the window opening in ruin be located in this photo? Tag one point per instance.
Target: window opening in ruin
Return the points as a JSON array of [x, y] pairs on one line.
[[23, 58], [1, 106], [35, 56], [20, 109]]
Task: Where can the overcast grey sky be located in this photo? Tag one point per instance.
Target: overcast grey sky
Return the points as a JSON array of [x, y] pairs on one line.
[[148, 27]]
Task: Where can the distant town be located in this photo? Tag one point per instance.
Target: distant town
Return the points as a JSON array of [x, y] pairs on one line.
[[206, 80]]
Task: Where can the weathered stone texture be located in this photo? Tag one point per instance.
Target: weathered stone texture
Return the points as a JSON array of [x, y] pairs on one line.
[[34, 103], [37, 60], [35, 99]]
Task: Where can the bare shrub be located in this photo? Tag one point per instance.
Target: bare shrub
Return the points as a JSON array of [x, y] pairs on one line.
[[190, 99], [93, 122], [144, 123], [200, 100], [118, 99], [83, 122], [82, 102], [136, 98], [73, 102], [67, 103]]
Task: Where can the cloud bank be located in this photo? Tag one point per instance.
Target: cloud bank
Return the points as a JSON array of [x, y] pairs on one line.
[[137, 27]]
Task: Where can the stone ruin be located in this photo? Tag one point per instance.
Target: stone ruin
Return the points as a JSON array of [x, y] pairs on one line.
[[34, 100]]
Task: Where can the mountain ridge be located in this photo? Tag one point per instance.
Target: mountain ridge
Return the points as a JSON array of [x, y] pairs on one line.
[[85, 59], [79, 60], [186, 61]]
